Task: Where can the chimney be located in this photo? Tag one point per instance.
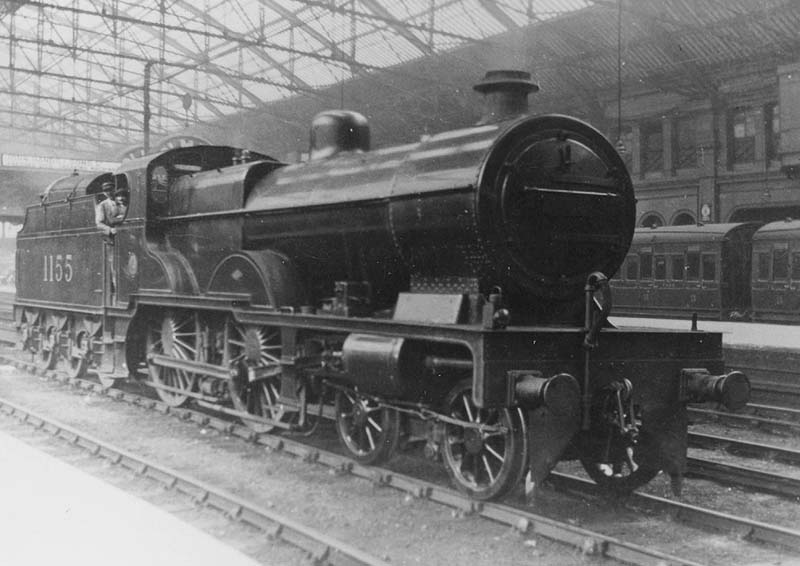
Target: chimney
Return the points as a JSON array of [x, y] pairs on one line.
[[505, 94]]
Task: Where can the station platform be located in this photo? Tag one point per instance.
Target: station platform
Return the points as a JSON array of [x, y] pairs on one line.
[[52, 513], [734, 334]]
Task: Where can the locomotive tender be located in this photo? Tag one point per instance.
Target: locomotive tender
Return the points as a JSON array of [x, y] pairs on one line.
[[451, 292]]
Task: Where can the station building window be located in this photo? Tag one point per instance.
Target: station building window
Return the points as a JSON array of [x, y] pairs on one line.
[[772, 127], [683, 219], [685, 141], [652, 221], [652, 141], [626, 149], [743, 135]]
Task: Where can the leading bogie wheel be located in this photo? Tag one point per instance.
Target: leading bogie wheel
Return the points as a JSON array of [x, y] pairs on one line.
[[368, 431], [619, 468], [618, 477], [488, 455]]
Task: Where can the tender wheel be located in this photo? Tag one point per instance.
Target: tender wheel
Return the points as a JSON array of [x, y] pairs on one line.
[[487, 462], [176, 336], [47, 356], [24, 343], [78, 358], [256, 352], [368, 431]]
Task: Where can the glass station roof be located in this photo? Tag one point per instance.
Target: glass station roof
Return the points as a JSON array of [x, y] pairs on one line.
[[76, 76], [76, 73]]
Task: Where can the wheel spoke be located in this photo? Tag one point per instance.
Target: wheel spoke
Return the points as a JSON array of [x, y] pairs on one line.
[[467, 408], [488, 469], [374, 424], [185, 346], [494, 453], [371, 441]]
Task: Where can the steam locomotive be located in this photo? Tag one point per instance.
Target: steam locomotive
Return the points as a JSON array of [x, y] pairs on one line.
[[451, 292]]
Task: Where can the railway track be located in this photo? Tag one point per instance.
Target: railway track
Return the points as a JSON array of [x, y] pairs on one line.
[[319, 547], [583, 540], [778, 420], [690, 514], [518, 518], [745, 448]]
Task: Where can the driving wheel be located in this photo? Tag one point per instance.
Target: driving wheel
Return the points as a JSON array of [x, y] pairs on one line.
[[255, 351], [175, 335]]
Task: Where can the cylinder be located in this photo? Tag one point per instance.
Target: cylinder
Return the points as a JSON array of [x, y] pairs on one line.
[[372, 363]]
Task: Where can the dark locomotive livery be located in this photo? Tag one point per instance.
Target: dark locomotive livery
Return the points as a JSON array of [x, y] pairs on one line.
[[451, 292], [737, 271]]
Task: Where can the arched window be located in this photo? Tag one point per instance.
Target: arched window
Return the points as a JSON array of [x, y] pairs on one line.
[[651, 220], [683, 219]]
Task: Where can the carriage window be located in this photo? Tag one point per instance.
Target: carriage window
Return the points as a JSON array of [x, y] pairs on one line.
[[632, 268], [693, 266], [677, 267], [709, 267], [661, 267], [780, 264], [763, 266], [646, 266], [796, 265]]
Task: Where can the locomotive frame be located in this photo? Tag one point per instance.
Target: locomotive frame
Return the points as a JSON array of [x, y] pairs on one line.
[[451, 292]]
